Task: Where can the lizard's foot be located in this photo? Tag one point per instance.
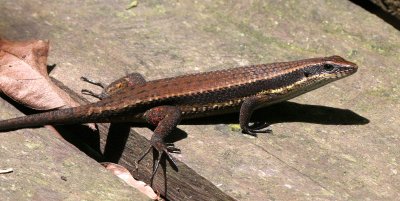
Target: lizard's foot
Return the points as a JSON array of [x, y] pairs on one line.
[[128, 81], [257, 127], [91, 93], [88, 80], [159, 149]]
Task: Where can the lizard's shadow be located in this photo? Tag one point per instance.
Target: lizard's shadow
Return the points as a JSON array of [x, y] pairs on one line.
[[278, 113], [292, 112]]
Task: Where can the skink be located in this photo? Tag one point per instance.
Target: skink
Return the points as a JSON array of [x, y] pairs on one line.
[[165, 102]]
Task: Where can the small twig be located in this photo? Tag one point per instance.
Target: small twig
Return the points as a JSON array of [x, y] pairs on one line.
[[5, 171]]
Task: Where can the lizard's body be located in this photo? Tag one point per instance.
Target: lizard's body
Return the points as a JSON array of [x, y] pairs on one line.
[[165, 102]]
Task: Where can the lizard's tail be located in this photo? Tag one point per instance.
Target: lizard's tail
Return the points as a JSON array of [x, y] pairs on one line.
[[62, 116]]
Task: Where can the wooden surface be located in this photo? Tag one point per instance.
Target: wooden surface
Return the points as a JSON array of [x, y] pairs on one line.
[[118, 144], [336, 143], [46, 167]]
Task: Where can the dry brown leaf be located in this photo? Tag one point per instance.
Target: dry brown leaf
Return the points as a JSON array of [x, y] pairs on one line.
[[24, 76], [126, 176]]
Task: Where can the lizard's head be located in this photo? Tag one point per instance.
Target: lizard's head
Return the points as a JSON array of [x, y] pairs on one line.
[[328, 69], [305, 75], [317, 72]]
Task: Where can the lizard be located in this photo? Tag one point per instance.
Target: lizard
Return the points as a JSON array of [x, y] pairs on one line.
[[163, 103]]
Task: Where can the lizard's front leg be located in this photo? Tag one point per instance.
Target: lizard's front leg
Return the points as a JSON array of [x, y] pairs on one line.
[[165, 118], [246, 110], [129, 80]]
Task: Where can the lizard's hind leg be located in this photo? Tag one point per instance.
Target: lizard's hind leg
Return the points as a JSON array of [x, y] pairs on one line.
[[166, 118], [129, 80]]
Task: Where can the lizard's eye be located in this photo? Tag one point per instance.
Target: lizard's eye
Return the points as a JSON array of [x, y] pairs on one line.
[[328, 67], [307, 74]]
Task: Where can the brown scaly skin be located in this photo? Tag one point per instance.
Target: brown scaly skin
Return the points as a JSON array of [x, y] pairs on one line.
[[165, 102]]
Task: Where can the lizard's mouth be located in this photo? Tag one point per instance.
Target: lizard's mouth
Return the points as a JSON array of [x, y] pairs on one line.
[[346, 71]]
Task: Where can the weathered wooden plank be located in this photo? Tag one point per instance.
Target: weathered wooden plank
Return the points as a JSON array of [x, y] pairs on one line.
[[120, 144]]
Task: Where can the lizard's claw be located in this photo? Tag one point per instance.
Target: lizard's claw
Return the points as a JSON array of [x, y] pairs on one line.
[[91, 93], [88, 80], [257, 127], [158, 151], [170, 148]]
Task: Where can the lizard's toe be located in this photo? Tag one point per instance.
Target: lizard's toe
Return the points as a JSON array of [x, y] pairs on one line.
[[257, 127]]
